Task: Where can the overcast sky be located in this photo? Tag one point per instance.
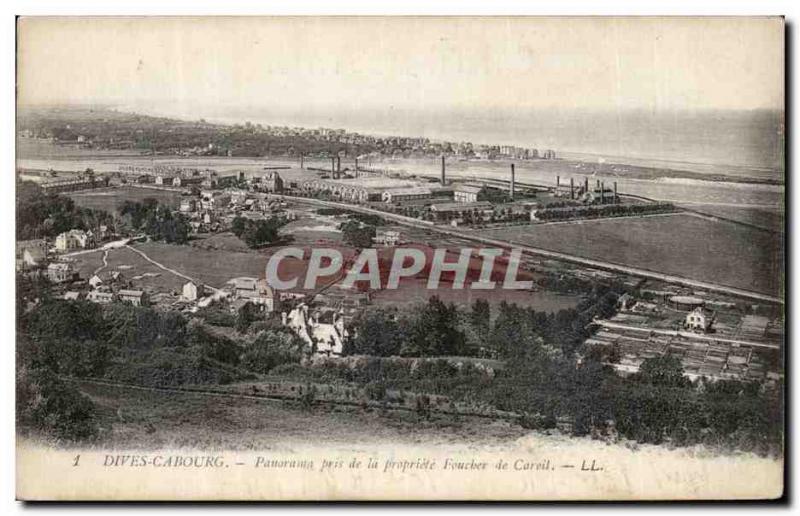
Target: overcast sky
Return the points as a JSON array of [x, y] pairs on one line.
[[420, 63]]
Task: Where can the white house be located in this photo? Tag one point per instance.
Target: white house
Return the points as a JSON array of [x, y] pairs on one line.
[[325, 328], [192, 291], [700, 319], [74, 239], [254, 290], [100, 296], [95, 280], [30, 253], [135, 297], [60, 272]]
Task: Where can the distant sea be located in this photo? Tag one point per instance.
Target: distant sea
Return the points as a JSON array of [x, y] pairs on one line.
[[734, 143]]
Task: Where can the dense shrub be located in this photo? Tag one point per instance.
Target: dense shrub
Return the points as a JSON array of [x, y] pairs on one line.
[[49, 405]]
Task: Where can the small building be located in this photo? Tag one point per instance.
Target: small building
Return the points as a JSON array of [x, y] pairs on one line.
[[30, 253], [686, 303], [700, 319], [102, 297], [60, 272], [192, 291], [135, 297], [387, 238], [625, 302], [188, 205], [451, 210], [255, 291], [406, 194], [273, 182], [467, 193], [164, 180], [71, 295], [187, 181], [95, 281]]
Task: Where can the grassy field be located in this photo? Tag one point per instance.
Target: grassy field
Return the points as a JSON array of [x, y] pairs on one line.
[[415, 292], [215, 267], [109, 199], [145, 419], [767, 217], [681, 244], [133, 267]]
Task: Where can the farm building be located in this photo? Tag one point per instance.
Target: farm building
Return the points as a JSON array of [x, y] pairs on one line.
[[700, 319], [60, 272], [685, 303]]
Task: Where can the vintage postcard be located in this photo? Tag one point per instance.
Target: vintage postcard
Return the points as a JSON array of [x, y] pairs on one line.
[[400, 258]]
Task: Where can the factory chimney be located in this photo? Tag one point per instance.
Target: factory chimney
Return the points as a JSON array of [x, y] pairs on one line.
[[333, 167], [571, 188], [301, 161], [511, 191], [356, 163], [616, 199], [339, 164], [602, 193], [444, 179], [585, 185]]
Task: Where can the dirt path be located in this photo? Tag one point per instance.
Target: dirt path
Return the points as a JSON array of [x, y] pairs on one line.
[[164, 267]]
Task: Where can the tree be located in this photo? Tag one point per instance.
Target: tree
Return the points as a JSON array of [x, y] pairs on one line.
[[376, 333], [481, 315], [272, 348], [248, 314], [435, 331], [48, 404], [665, 370], [356, 234]]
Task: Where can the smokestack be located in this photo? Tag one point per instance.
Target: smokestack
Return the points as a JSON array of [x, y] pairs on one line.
[[598, 183], [301, 161], [571, 188], [602, 193], [356, 163], [511, 191], [558, 181], [444, 179], [585, 185], [615, 193]]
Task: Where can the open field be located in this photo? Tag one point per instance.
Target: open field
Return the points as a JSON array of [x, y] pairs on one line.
[[215, 267], [682, 244], [212, 267], [133, 267], [415, 292], [768, 217], [135, 418], [109, 199]]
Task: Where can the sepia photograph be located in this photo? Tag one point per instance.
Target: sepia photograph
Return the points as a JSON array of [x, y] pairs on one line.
[[400, 258]]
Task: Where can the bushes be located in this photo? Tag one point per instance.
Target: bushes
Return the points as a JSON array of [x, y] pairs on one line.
[[257, 233], [49, 405], [66, 337], [215, 347], [356, 234], [271, 349], [171, 367], [159, 222]]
